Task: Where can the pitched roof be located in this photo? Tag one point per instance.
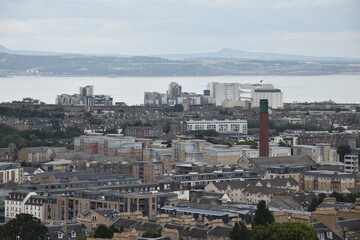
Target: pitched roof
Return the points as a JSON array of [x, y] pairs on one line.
[[54, 230], [220, 231], [148, 227], [125, 223], [197, 233], [351, 224], [265, 162]]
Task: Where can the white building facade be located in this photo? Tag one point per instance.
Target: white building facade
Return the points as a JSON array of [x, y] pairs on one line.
[[351, 163], [223, 92], [274, 96], [221, 126]]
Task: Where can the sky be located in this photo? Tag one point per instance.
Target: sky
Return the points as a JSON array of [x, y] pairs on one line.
[[146, 27]]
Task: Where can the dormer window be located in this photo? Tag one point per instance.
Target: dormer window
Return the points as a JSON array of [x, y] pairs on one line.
[[73, 234], [60, 235], [329, 235]]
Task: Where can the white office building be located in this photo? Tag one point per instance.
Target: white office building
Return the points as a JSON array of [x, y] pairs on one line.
[[220, 93], [274, 96], [221, 126]]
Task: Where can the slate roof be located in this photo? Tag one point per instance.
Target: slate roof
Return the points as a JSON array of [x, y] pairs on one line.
[[174, 226], [148, 227], [53, 231], [220, 231], [277, 182], [351, 224], [288, 203], [354, 190], [29, 169], [200, 233], [321, 228], [264, 190], [125, 223], [109, 213], [265, 162], [335, 205]]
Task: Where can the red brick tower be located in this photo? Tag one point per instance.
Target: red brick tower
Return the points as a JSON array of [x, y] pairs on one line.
[[264, 128]]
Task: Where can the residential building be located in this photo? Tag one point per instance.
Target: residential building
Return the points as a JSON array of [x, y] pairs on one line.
[[8, 154], [142, 131], [351, 163], [285, 172], [109, 145], [93, 218], [60, 165], [150, 171], [221, 154], [266, 162], [327, 181], [183, 151], [320, 152], [221, 126], [252, 191], [39, 154], [11, 172], [67, 207], [25, 202]]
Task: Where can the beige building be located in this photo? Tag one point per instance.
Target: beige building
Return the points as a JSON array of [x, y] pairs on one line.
[[181, 149], [60, 165], [221, 154], [39, 154], [320, 152], [93, 218], [252, 191], [327, 181]]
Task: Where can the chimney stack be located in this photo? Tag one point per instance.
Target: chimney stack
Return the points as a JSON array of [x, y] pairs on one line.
[[264, 128]]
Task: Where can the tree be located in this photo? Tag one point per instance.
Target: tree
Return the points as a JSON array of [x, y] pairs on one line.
[[240, 232], [263, 216], [284, 231], [103, 231], [178, 108], [316, 202], [23, 226], [343, 150]]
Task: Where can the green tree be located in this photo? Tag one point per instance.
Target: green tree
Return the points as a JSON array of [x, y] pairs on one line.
[[103, 231], [263, 216], [23, 226], [240, 232], [284, 231], [316, 202], [178, 108]]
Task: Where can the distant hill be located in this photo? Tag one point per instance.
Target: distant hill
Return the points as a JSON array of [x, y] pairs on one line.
[[223, 54], [27, 52], [228, 53], [225, 62]]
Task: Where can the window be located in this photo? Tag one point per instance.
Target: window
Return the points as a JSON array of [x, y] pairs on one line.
[[60, 235], [94, 218], [73, 234]]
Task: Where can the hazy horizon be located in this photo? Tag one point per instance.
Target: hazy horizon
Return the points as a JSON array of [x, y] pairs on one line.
[[328, 28]]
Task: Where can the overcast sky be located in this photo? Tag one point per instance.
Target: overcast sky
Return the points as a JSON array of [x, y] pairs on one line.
[[143, 27]]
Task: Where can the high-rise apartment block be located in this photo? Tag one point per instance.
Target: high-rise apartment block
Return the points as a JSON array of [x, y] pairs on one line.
[[86, 97]]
